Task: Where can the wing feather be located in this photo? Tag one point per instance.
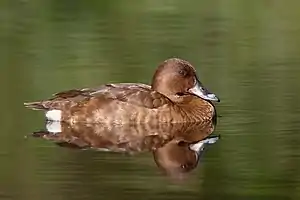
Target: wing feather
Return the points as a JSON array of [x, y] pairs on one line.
[[137, 94]]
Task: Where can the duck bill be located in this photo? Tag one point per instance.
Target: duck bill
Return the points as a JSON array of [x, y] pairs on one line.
[[202, 92]]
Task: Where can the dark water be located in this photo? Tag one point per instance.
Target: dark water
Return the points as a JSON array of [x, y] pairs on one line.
[[245, 52]]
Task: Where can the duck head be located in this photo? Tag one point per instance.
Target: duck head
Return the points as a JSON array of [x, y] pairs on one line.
[[178, 77]]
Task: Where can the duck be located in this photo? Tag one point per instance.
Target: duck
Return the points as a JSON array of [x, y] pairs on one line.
[[175, 95]]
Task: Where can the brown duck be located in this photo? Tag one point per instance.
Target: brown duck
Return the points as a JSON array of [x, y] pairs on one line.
[[175, 96]]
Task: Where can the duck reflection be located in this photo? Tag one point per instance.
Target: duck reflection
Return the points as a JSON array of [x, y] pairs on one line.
[[177, 158], [176, 148]]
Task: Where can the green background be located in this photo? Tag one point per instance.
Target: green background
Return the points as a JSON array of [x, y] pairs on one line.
[[247, 52]]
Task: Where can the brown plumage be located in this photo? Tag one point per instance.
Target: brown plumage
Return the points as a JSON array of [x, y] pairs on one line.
[[176, 95]]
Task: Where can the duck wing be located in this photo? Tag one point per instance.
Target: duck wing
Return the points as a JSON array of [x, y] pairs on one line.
[[137, 94]]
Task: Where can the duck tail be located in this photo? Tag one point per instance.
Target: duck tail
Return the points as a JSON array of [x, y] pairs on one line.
[[39, 105]]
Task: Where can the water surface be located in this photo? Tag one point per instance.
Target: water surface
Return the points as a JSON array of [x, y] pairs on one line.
[[245, 52]]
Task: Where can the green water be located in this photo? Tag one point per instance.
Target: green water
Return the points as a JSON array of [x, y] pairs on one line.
[[247, 52]]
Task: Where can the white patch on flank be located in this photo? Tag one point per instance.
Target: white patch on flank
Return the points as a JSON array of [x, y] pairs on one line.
[[53, 115], [53, 127]]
